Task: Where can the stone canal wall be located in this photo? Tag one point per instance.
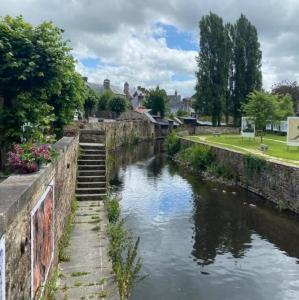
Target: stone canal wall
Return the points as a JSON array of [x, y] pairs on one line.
[[20, 201], [120, 133], [201, 130], [275, 181]]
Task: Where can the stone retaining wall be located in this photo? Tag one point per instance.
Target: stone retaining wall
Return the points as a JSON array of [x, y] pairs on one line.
[[19, 194], [275, 181], [211, 130], [124, 132]]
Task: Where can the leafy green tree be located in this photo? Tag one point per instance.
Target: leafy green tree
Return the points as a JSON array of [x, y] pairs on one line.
[[290, 88], [118, 104], [264, 108], [212, 68], [247, 64], [38, 82], [285, 107], [104, 99], [67, 99], [91, 101], [156, 101]]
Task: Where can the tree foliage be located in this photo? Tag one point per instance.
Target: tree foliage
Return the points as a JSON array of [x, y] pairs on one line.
[[247, 64], [229, 67], [291, 88], [91, 102], [104, 100], [211, 64], [264, 108], [118, 104], [38, 82], [156, 101]]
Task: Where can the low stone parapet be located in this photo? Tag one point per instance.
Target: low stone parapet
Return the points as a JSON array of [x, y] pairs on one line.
[[33, 213]]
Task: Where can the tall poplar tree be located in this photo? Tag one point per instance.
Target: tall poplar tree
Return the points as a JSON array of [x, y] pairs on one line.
[[247, 63], [229, 67], [211, 76]]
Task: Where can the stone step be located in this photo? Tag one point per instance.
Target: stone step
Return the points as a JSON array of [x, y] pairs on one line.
[[90, 131], [91, 167], [87, 191], [90, 197], [92, 146], [92, 173], [93, 184], [92, 157], [101, 178], [92, 152], [91, 162]]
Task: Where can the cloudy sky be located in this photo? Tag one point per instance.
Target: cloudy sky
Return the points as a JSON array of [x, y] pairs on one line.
[[150, 42]]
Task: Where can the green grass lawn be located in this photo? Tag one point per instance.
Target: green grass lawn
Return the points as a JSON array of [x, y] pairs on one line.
[[277, 145]]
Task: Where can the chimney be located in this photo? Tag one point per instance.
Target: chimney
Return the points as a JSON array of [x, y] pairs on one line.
[[126, 89], [107, 84]]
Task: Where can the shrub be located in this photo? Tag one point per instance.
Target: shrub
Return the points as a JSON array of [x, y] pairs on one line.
[[254, 164], [220, 170], [28, 158], [173, 143], [118, 104], [198, 156], [113, 210], [70, 131]]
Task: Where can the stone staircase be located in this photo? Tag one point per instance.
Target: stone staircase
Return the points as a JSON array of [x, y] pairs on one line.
[[91, 177]]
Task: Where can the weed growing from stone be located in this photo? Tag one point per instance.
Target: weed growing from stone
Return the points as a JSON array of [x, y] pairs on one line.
[[66, 236], [77, 274], [102, 294], [113, 209], [50, 287], [96, 228], [77, 283], [123, 251]]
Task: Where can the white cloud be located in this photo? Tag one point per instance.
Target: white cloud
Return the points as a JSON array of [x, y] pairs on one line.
[[121, 33]]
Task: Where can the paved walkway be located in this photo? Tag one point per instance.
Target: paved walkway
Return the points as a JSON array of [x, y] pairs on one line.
[[88, 274]]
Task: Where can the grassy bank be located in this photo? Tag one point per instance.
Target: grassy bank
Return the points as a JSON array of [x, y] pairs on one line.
[[277, 146]]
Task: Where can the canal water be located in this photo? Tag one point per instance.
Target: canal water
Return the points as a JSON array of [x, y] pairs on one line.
[[202, 240]]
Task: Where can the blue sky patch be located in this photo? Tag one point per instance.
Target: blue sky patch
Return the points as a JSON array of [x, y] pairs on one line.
[[177, 39], [91, 62], [182, 77]]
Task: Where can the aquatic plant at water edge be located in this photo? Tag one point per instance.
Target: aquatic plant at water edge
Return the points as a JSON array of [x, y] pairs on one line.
[[123, 250], [220, 170], [197, 156], [172, 143], [113, 209], [254, 164]]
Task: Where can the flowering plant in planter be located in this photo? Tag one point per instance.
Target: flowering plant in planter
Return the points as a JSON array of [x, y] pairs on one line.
[[28, 158]]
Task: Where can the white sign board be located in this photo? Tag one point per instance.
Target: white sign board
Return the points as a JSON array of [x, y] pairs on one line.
[[247, 127], [293, 131]]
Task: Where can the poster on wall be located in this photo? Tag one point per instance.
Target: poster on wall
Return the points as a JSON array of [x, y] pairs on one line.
[[247, 127], [293, 131], [42, 241], [2, 268]]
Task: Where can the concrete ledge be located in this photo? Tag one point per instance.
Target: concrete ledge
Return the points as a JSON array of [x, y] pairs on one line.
[[17, 190]]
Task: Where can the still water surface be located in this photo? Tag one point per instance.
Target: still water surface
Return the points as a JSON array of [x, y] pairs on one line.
[[201, 240]]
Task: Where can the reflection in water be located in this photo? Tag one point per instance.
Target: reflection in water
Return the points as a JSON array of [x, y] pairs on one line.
[[201, 240]]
